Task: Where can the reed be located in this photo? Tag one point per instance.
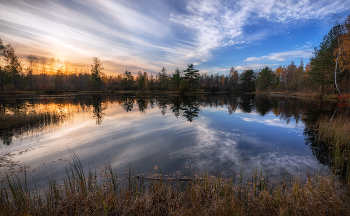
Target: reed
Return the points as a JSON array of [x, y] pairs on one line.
[[336, 133], [80, 193]]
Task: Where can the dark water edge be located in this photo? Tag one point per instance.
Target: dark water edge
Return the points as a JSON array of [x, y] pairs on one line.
[[169, 134]]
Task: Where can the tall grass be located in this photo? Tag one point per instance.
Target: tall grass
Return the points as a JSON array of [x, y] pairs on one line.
[[80, 193], [336, 132]]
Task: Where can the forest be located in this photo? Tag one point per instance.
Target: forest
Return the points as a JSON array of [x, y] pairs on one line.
[[328, 72]]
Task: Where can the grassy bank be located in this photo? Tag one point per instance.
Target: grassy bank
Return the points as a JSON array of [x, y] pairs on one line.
[[327, 97], [80, 193]]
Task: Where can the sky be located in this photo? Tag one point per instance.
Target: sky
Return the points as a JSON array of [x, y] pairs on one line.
[[150, 34]]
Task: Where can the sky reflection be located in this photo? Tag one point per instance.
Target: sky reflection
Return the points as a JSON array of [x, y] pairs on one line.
[[148, 132]]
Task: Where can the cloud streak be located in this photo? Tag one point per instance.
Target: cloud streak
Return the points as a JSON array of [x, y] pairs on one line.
[[148, 36], [282, 56], [218, 24], [254, 66]]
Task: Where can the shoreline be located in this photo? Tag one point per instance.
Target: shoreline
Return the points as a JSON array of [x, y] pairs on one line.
[[326, 97], [129, 92]]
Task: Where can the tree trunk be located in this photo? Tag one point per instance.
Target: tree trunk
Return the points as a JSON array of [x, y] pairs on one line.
[[335, 71]]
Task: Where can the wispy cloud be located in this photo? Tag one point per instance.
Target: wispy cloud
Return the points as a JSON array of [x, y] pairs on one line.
[[147, 36], [254, 66], [282, 56], [213, 25], [305, 46], [115, 32], [217, 24]]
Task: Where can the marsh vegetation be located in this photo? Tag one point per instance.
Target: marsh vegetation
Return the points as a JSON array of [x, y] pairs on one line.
[[81, 193]]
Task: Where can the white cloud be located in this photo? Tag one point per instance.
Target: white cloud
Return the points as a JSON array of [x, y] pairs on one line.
[[217, 24], [274, 122], [128, 35], [212, 23], [282, 56]]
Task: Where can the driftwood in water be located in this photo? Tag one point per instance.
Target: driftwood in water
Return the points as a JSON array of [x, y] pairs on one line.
[[164, 179]]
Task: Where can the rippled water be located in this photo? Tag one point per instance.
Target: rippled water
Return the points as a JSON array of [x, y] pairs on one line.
[[215, 132]]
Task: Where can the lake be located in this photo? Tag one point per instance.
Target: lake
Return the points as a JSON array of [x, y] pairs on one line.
[[167, 133]]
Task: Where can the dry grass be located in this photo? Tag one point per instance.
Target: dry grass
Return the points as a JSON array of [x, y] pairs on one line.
[[81, 194], [336, 132], [311, 95], [331, 97]]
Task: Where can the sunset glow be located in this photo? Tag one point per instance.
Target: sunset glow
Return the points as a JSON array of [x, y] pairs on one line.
[[146, 36]]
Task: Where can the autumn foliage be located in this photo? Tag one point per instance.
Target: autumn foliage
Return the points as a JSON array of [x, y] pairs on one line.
[[344, 46]]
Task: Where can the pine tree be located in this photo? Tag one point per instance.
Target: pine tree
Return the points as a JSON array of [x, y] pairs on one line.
[[175, 80], [264, 79], [191, 76], [323, 63], [96, 72]]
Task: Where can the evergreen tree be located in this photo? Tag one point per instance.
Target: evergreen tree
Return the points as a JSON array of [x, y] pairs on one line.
[[191, 76], [96, 72], [151, 83], [264, 79], [162, 78], [142, 81], [248, 80], [175, 80], [323, 63]]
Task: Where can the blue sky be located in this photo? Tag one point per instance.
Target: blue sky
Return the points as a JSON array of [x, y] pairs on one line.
[[148, 35]]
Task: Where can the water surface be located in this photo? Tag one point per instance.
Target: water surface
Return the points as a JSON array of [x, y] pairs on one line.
[[216, 132]]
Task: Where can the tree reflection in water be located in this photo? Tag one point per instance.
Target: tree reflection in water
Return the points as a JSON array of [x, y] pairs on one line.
[[142, 103], [163, 101], [288, 109], [98, 109], [190, 108], [175, 106], [128, 104]]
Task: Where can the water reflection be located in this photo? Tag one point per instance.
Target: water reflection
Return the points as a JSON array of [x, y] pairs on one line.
[[319, 149], [286, 108], [190, 108], [98, 109], [163, 102], [142, 103], [128, 104], [216, 130], [24, 117]]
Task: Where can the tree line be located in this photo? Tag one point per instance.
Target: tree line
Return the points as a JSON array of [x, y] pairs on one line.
[[327, 72]]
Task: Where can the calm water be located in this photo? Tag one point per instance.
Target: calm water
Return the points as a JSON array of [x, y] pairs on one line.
[[169, 133]]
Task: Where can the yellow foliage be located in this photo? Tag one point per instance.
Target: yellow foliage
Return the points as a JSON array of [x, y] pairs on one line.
[[344, 45]]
